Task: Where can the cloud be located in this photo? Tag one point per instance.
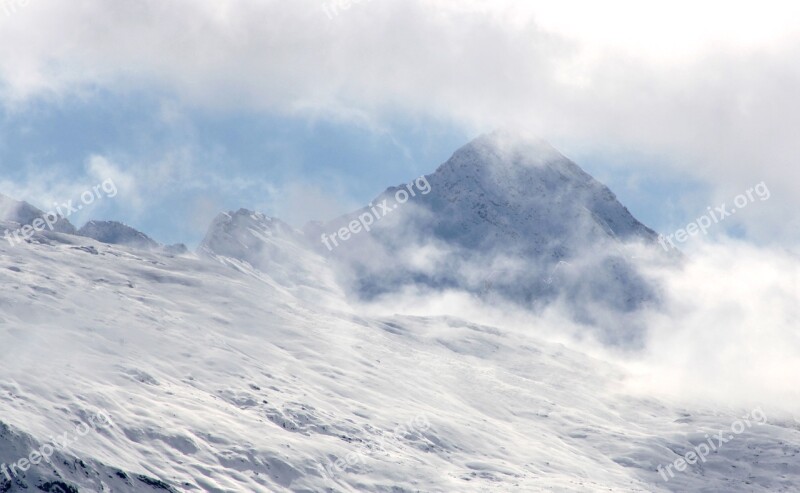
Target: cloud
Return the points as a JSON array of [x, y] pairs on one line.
[[728, 332], [143, 185], [712, 87], [100, 169], [46, 189], [312, 198], [725, 334]]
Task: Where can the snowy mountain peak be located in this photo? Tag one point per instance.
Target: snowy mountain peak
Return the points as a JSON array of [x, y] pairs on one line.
[[505, 211], [117, 233], [16, 213], [507, 173], [249, 236], [256, 243]]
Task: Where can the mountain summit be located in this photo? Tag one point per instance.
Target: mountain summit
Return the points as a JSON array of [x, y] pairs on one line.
[[504, 217], [519, 196], [15, 214], [507, 187], [116, 233]]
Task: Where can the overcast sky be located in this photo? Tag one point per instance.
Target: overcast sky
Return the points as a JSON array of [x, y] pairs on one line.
[[305, 110]]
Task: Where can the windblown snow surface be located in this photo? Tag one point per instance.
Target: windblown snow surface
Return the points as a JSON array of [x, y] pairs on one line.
[[218, 377], [253, 365]]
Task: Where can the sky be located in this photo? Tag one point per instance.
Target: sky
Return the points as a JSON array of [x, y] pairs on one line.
[[307, 109]]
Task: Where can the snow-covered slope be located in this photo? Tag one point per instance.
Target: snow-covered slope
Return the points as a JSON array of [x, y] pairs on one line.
[[116, 233], [250, 367], [271, 250], [217, 379]]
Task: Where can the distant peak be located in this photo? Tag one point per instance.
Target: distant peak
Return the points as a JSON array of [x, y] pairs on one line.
[[116, 233], [243, 218], [23, 213]]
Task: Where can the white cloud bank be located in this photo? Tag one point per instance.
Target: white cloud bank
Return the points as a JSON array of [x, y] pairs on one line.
[[711, 86], [726, 334]]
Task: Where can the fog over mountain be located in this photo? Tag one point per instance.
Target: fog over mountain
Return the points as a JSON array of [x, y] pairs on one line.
[[505, 216], [14, 214], [412, 246], [538, 354]]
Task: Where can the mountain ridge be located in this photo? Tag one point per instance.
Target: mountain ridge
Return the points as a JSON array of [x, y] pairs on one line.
[[219, 377], [248, 367], [509, 213]]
